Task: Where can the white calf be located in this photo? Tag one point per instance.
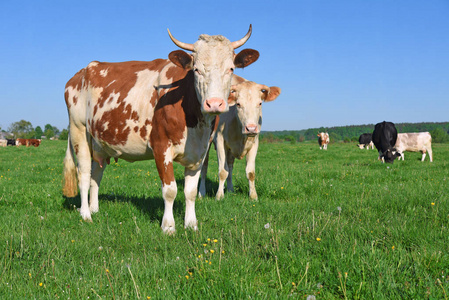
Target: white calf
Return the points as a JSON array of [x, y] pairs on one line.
[[237, 134]]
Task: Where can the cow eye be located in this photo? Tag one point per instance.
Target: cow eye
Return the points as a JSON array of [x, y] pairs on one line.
[[260, 104]]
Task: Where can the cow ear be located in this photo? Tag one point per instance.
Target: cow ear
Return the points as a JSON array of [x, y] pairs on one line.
[[232, 96], [273, 93], [245, 58], [181, 59]]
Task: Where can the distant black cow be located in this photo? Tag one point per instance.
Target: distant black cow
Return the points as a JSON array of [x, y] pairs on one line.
[[384, 138], [10, 142], [366, 140]]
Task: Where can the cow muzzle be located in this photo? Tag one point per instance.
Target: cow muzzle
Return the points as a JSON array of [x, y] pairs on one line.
[[251, 129], [215, 106]]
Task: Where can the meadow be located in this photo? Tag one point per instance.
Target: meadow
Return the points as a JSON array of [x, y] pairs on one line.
[[334, 224]]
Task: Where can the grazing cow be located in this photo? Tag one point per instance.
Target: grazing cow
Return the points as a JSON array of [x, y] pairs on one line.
[[163, 109], [365, 140], [22, 142], [414, 142], [237, 135], [384, 138], [3, 143], [34, 142], [11, 142], [323, 140]]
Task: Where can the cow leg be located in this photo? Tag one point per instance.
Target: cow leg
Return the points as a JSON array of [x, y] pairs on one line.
[[190, 190], [423, 155], [82, 150], [222, 167], [97, 175], [430, 154], [202, 191], [230, 161], [164, 164], [251, 169]]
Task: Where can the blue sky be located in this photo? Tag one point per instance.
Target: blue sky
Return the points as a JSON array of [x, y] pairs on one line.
[[337, 62]]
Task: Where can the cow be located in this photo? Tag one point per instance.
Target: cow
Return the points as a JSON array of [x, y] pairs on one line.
[[11, 142], [323, 140], [34, 142], [365, 140], [414, 142], [384, 138], [3, 143], [22, 142], [237, 135], [163, 109]]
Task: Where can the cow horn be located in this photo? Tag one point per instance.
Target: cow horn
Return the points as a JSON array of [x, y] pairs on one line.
[[243, 40], [181, 45]]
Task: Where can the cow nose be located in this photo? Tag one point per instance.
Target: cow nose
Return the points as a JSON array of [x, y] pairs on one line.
[[251, 129], [215, 106]]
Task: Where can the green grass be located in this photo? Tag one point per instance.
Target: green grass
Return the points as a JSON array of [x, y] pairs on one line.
[[340, 225]]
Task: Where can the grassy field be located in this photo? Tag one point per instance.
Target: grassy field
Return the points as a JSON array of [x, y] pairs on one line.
[[335, 224]]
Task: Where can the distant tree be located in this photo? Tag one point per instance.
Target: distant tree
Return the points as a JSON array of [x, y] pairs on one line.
[[21, 129], [49, 132], [334, 137], [64, 135], [346, 140], [38, 132], [439, 135]]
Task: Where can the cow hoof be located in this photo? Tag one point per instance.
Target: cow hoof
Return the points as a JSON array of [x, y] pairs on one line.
[[86, 215], [94, 209], [219, 196], [170, 230], [253, 196], [191, 225]]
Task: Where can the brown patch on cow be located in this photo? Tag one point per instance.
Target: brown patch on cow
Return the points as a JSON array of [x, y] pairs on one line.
[[223, 175], [136, 129], [251, 176], [75, 83], [177, 109], [143, 130]]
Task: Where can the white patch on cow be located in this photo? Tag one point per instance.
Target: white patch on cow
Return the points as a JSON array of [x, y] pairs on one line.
[[168, 221], [93, 64], [111, 82], [104, 72]]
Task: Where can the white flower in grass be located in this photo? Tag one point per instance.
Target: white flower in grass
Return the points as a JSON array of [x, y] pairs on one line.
[[311, 297], [339, 208], [266, 226]]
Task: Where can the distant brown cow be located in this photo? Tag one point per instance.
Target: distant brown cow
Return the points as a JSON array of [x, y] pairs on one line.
[[28, 142], [323, 140]]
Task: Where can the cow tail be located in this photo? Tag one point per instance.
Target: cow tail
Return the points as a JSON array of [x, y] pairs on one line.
[[70, 187]]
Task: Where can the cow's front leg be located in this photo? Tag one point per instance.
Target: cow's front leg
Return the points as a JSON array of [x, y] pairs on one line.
[[164, 166], [97, 175], [251, 170], [190, 191]]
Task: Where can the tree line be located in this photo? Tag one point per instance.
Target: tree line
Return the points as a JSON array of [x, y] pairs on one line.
[[439, 131], [25, 130], [351, 133]]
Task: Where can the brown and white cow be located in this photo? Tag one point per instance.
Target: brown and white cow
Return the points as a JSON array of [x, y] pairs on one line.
[[28, 142], [237, 135], [414, 142], [323, 140], [163, 109], [3, 143]]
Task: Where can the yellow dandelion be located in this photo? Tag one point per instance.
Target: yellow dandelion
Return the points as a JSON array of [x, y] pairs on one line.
[[433, 203], [40, 283], [222, 252], [29, 274], [190, 273], [199, 256], [148, 297], [73, 241], [215, 241], [282, 187], [293, 283], [210, 263], [107, 270], [204, 245], [187, 277], [318, 239], [208, 239], [392, 248], [212, 251]]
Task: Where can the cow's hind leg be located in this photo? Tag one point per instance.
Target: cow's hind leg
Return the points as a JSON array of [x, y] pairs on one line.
[[430, 154], [230, 162], [97, 175], [82, 150]]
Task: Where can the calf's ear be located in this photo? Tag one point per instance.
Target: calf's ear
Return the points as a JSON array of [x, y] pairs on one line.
[[181, 59], [245, 57]]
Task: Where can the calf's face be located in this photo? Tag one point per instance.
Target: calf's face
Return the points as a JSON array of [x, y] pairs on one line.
[[390, 155], [247, 97]]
